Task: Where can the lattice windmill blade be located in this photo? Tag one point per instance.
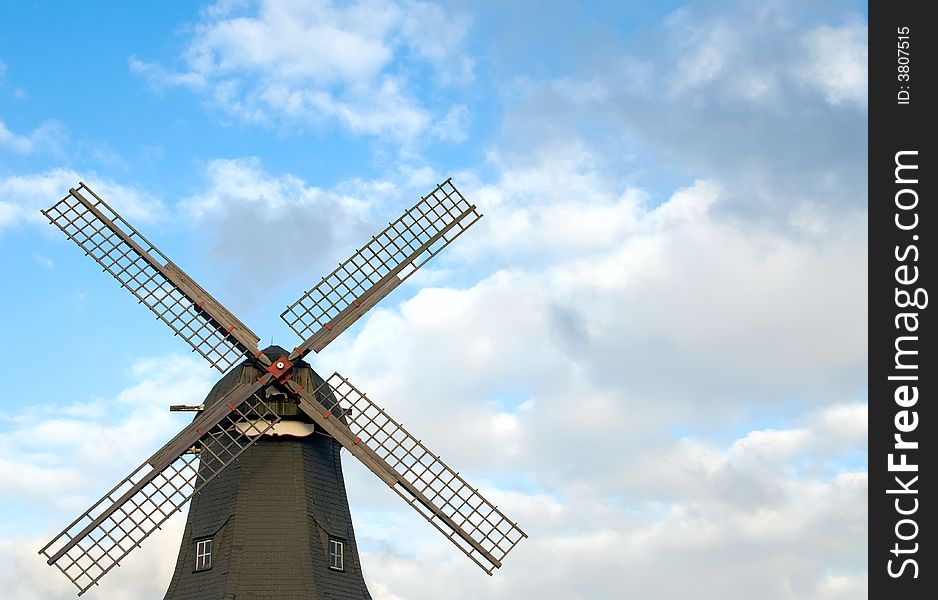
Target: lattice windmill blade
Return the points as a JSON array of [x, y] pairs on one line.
[[177, 300], [420, 477], [370, 274], [117, 523]]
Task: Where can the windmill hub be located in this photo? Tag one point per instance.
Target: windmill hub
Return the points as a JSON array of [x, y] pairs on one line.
[[280, 367]]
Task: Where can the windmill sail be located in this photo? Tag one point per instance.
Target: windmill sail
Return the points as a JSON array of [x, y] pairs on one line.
[[440, 494], [370, 274], [191, 312], [117, 523]]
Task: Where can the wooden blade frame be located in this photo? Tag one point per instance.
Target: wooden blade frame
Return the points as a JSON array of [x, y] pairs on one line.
[[191, 312], [117, 523], [420, 477], [370, 274]]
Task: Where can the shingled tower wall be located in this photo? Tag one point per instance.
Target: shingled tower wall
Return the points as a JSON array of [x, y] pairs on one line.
[[270, 517]]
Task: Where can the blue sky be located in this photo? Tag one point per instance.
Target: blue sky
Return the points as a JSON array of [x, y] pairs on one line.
[[658, 331]]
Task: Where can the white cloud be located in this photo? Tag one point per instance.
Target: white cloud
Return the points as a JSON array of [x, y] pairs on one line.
[[804, 538], [739, 94], [55, 464], [554, 382], [594, 277], [48, 136], [453, 127], [24, 195], [705, 54], [317, 62], [230, 182], [242, 204], [42, 450], [161, 77], [437, 35], [315, 42], [836, 62], [143, 575], [385, 109], [43, 261]]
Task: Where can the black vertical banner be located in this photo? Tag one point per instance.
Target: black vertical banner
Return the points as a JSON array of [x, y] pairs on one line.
[[903, 372]]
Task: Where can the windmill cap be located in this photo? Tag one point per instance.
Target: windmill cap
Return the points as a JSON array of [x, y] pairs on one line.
[[247, 372], [275, 351]]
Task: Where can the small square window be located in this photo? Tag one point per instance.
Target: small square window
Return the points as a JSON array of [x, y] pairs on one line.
[[336, 555], [203, 555]]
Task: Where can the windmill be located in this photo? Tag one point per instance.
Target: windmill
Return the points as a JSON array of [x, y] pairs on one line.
[[260, 460]]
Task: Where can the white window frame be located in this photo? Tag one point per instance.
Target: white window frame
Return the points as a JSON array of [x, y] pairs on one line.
[[203, 554], [336, 554]]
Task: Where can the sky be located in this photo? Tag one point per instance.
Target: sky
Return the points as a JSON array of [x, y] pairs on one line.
[[650, 352]]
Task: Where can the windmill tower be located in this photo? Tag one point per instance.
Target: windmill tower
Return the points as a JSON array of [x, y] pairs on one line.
[[269, 516], [276, 523]]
